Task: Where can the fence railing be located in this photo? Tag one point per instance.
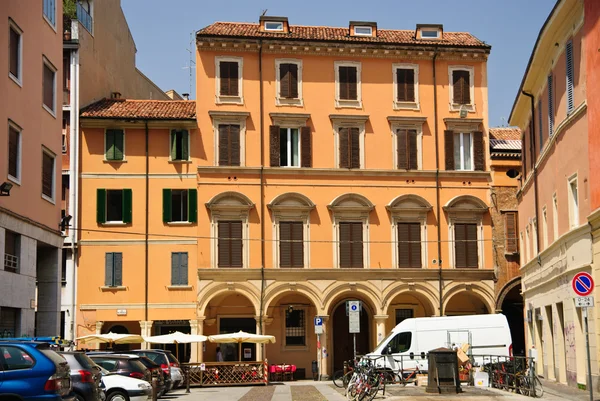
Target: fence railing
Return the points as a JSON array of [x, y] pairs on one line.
[[510, 373], [84, 17], [11, 262], [226, 373]]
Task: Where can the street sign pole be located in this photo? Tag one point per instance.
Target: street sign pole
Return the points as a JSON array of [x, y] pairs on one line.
[[587, 346], [354, 335], [583, 286], [320, 361]]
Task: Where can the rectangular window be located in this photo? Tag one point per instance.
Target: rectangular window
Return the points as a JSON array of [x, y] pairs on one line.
[[403, 314], [230, 244], [463, 151], [14, 152], [461, 85], [407, 149], [289, 147], [465, 245], [570, 77], [65, 134], [295, 327], [405, 80], [113, 269], [48, 176], [49, 7], [540, 126], [229, 78], [114, 206], [409, 245], [363, 31], [179, 268], [510, 232], [15, 57], [555, 217], [180, 205], [550, 106], [63, 267], [545, 227], [273, 26], [12, 246], [573, 203], [528, 243], [288, 80], [521, 242], [180, 145], [229, 145], [535, 237], [349, 147], [291, 244], [114, 144], [351, 245], [430, 33], [49, 87], [348, 83]]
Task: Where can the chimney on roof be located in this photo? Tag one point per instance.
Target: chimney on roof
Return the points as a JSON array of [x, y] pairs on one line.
[[274, 24], [186, 96], [115, 95], [363, 28]]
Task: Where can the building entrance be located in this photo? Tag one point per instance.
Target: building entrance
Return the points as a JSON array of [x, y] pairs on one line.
[[343, 347]]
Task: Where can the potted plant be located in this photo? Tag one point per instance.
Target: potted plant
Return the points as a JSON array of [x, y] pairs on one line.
[[69, 13]]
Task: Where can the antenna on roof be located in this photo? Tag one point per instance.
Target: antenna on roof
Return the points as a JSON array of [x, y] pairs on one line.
[[264, 12], [191, 63], [503, 121]]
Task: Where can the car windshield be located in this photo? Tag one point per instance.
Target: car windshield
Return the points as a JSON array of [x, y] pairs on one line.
[[84, 361], [172, 359], [137, 366]]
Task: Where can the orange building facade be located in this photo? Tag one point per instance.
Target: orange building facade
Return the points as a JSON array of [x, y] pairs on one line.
[[326, 165]]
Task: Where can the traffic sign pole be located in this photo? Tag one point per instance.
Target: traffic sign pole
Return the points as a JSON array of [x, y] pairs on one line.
[[587, 346], [583, 286]]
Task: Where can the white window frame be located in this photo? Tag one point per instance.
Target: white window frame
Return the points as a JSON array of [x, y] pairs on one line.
[[419, 128], [342, 217], [405, 105], [52, 24], [189, 140], [124, 146], [421, 219], [289, 146], [180, 222], [528, 242], [545, 227], [229, 120], [53, 197], [112, 222], [225, 99], [16, 180], [13, 25], [454, 106], [343, 103], [48, 64], [278, 29], [229, 215], [555, 216], [280, 101], [466, 218], [573, 201], [306, 345], [436, 31], [361, 140], [462, 153], [357, 28]]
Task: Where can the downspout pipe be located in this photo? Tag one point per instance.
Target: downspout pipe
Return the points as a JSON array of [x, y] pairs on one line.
[[262, 189], [146, 267], [533, 167], [437, 187]]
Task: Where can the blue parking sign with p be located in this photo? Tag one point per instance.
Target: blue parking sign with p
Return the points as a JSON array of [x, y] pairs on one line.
[[318, 321]]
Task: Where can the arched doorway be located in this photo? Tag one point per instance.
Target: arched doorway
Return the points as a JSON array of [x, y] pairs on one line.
[[406, 305], [512, 308], [119, 329], [466, 303], [343, 340]]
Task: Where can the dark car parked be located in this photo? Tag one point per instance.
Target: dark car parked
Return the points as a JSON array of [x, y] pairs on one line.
[[161, 358], [32, 371], [85, 376], [155, 371], [123, 365]]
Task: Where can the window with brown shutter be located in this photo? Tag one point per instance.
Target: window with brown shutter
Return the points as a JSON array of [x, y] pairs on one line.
[[465, 246], [409, 245], [305, 147], [349, 145], [348, 83], [405, 79], [461, 84], [351, 245], [511, 244], [288, 80], [229, 145], [48, 87], [14, 144], [14, 53], [230, 244], [229, 78], [406, 149], [48, 175], [291, 244], [478, 151]]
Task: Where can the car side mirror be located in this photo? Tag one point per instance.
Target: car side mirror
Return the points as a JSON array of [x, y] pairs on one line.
[[389, 350]]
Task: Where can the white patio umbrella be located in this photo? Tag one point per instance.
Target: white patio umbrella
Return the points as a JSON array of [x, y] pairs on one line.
[[241, 337], [111, 338], [176, 338]]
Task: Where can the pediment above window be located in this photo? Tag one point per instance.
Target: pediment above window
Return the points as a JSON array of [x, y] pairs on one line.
[[351, 203], [234, 202], [466, 204], [409, 204], [291, 204]]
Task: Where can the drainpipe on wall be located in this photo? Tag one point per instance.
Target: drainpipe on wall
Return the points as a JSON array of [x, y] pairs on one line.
[[437, 187], [74, 185], [262, 191], [146, 228], [534, 169]]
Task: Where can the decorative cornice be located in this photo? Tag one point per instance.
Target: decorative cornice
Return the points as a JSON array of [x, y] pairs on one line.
[[289, 118], [358, 118], [408, 120], [230, 114]]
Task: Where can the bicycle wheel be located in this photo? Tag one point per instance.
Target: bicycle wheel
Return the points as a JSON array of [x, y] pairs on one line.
[[537, 387], [346, 378], [338, 379]]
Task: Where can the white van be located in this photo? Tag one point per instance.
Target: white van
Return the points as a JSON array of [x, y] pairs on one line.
[[409, 342]]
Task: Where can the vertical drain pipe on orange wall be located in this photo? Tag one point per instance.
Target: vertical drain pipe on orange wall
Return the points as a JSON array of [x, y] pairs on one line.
[[437, 187], [262, 191], [146, 229]]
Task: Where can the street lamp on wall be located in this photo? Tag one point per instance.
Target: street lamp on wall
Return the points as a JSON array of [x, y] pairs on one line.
[[5, 188]]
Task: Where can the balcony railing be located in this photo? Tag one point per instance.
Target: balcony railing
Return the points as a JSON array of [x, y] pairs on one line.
[[11, 263], [84, 17]]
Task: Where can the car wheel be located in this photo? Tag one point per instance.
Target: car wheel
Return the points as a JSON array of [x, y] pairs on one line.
[[117, 396], [78, 397]]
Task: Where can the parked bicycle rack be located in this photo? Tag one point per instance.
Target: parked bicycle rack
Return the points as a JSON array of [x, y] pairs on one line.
[[509, 373]]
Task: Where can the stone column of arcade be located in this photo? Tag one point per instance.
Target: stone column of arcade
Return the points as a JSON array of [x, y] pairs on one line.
[[196, 328], [380, 327], [259, 330], [325, 351], [99, 327], [146, 331]]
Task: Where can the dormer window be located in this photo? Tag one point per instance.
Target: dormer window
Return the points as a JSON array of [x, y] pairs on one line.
[[363, 31], [430, 33], [276, 26]]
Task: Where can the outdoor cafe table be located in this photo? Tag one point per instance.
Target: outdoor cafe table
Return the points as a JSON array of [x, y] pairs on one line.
[[226, 373]]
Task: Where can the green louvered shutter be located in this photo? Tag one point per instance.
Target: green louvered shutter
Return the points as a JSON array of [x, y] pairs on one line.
[[185, 152], [173, 145], [166, 205], [183, 268], [108, 270], [127, 206], [109, 144], [118, 144], [118, 269], [193, 205], [101, 206], [175, 268]]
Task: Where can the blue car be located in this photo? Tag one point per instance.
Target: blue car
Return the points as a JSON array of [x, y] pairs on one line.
[[31, 371]]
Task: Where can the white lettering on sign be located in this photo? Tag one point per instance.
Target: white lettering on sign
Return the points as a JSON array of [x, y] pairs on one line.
[[584, 302]]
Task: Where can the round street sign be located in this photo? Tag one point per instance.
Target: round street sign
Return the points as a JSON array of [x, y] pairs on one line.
[[583, 284]]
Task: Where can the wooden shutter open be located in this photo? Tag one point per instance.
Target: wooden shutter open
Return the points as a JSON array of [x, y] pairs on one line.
[[354, 147], [185, 151], [48, 87], [14, 53], [100, 206], [344, 144], [401, 149], [192, 205], [47, 174], [275, 145], [478, 151], [127, 205], [510, 232], [284, 80], [449, 149], [167, 206], [306, 146], [108, 269]]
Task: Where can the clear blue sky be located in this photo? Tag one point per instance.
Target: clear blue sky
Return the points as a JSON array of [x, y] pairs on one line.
[[161, 30]]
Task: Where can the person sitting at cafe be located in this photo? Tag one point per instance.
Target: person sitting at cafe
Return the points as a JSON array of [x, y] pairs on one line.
[[219, 355]]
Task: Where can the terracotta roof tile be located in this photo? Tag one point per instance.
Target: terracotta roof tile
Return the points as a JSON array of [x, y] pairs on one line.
[[505, 142], [141, 109], [334, 34], [506, 133]]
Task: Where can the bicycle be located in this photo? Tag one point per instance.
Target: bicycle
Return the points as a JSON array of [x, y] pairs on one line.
[[341, 379]]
